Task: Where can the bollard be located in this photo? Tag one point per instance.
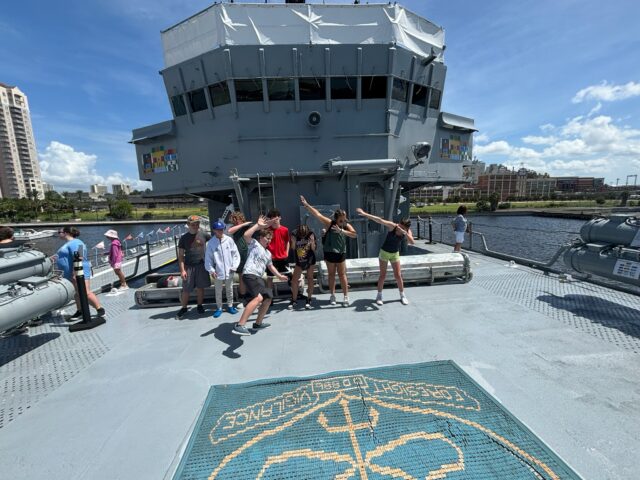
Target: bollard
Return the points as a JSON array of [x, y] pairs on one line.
[[430, 230], [470, 228], [148, 255], [419, 228], [87, 322]]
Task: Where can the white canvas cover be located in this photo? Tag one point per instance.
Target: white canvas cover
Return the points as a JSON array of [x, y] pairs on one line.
[[290, 24]]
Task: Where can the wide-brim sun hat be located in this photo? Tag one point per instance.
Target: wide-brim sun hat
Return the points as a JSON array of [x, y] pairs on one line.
[[111, 234]]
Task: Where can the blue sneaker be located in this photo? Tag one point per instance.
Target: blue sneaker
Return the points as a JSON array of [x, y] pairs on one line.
[[217, 313], [232, 310]]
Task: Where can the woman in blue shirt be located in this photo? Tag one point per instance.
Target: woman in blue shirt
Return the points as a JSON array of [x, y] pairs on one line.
[[65, 264]]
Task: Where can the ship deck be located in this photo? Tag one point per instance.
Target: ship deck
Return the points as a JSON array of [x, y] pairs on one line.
[[121, 401]]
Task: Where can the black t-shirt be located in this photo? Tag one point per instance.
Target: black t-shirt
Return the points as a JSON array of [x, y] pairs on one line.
[[194, 245]]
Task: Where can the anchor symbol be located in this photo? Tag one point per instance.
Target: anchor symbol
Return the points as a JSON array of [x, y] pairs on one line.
[[364, 464]]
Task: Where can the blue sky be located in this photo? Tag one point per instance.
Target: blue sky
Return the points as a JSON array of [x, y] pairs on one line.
[[553, 85]]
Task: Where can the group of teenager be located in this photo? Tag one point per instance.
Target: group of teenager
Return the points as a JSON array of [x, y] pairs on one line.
[[251, 249]]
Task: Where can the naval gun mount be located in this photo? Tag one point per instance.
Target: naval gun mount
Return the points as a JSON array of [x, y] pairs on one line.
[[339, 103]]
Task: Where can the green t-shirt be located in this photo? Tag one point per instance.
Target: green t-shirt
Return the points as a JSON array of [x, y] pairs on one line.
[[238, 237], [335, 242]]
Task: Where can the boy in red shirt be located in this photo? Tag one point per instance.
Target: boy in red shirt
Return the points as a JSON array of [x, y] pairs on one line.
[[279, 246]]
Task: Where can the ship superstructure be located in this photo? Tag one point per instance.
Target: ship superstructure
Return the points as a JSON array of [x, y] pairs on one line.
[[340, 103]]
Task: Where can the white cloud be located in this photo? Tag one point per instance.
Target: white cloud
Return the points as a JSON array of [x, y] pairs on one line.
[[536, 140], [480, 138], [582, 146], [71, 170], [607, 92]]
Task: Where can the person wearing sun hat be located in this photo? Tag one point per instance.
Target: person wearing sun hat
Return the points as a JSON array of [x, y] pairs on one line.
[[191, 252], [221, 260], [116, 256]]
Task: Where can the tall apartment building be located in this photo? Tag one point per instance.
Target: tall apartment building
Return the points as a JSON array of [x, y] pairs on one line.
[[122, 189], [19, 167], [98, 190]]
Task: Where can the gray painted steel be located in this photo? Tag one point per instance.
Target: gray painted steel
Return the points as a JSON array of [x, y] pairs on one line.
[[32, 297], [248, 146], [123, 399], [617, 229], [616, 263], [18, 263]]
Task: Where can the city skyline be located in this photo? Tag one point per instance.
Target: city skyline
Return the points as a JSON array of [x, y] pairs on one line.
[[550, 85]]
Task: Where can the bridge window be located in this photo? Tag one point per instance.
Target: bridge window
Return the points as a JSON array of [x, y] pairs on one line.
[[219, 94], [281, 89], [312, 88], [179, 108], [374, 87], [249, 90], [343, 88], [197, 100], [436, 96], [399, 91], [420, 94]]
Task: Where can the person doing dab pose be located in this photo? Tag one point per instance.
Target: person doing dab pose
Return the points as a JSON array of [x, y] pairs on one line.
[[390, 251], [334, 244], [303, 244], [258, 260]]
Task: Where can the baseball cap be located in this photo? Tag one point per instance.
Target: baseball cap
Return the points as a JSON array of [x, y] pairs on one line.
[[218, 225], [193, 219]]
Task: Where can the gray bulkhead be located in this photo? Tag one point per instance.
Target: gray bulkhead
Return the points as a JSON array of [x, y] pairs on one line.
[[243, 130]]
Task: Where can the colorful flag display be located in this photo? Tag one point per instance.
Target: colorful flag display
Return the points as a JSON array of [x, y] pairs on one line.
[[100, 246], [128, 237]]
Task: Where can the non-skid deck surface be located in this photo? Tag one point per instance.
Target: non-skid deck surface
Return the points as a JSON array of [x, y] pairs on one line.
[[421, 421]]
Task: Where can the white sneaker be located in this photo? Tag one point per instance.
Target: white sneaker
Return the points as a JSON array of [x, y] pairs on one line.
[[379, 299], [332, 300], [239, 306], [404, 300], [123, 288], [345, 302]]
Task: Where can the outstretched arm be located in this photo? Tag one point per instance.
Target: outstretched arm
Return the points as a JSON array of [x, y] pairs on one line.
[[410, 239], [348, 230], [381, 221], [259, 225], [314, 211], [235, 228]]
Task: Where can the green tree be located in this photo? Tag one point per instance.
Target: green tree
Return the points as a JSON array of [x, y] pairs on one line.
[[600, 200], [494, 199], [624, 196], [121, 210], [483, 206]]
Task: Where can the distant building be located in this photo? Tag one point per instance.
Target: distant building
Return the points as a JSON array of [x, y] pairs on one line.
[[19, 167], [98, 190], [121, 189], [47, 187], [473, 170]]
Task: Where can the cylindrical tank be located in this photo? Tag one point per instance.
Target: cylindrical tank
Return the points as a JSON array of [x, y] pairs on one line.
[[616, 230], [16, 264], [31, 298], [616, 263]]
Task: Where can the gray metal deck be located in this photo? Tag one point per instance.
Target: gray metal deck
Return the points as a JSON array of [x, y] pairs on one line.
[[120, 401]]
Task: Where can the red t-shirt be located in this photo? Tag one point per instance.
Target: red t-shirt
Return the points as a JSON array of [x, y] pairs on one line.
[[278, 244]]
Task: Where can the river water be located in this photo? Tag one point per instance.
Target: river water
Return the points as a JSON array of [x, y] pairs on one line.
[[93, 235], [526, 236]]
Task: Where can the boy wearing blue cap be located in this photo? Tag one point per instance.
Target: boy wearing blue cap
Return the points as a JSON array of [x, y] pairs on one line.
[[221, 260]]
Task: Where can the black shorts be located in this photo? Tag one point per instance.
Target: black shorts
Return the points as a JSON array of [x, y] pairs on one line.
[[334, 257], [255, 286], [281, 266], [197, 277], [307, 263]]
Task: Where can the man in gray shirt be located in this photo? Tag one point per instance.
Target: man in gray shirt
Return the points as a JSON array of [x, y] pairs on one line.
[[191, 251]]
